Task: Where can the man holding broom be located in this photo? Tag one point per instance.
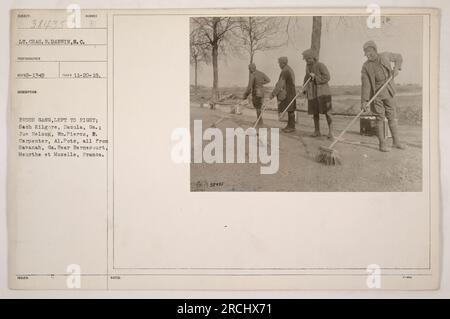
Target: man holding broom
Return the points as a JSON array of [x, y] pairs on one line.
[[255, 86], [375, 72], [285, 92], [318, 91]]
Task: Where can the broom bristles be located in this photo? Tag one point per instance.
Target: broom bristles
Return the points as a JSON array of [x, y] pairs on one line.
[[328, 157]]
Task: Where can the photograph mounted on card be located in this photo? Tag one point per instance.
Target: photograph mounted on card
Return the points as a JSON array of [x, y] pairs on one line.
[[243, 149]]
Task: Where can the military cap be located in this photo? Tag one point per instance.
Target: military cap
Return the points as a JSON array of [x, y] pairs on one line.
[[370, 44]]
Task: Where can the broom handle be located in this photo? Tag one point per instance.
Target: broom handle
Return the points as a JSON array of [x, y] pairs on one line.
[[224, 117], [260, 115], [361, 112], [282, 113]]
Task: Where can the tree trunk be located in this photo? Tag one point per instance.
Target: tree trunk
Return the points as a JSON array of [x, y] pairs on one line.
[[215, 53], [196, 67], [316, 33]]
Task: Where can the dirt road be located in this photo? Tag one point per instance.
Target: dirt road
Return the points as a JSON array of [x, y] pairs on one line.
[[364, 167]]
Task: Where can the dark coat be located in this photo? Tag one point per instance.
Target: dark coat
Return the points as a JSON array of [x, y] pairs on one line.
[[285, 89]]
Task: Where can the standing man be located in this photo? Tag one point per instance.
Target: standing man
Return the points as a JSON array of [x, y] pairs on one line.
[[256, 87], [285, 92], [318, 91], [375, 72]]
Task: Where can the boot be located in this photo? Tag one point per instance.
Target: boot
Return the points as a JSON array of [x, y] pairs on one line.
[[330, 127], [395, 139], [316, 126], [291, 120], [380, 135], [290, 127]]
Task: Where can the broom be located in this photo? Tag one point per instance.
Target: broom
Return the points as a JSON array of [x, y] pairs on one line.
[[265, 105], [226, 116], [257, 120], [251, 131], [330, 156], [295, 97]]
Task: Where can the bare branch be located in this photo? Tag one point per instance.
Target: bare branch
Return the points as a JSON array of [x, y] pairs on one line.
[[260, 34]]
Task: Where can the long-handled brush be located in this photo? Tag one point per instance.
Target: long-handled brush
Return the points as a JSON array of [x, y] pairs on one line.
[[260, 116], [218, 121], [295, 97], [252, 130], [226, 116], [328, 155], [290, 103]]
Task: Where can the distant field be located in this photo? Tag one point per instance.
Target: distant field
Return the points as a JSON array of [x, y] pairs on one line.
[[356, 89], [335, 90], [346, 100]]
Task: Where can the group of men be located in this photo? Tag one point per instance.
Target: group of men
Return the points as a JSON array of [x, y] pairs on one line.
[[375, 72]]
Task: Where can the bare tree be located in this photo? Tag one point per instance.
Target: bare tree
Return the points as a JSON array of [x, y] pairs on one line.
[[316, 34], [260, 34], [199, 52], [215, 32]]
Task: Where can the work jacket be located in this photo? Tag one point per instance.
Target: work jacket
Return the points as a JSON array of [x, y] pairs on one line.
[[319, 85], [285, 87], [255, 85], [381, 68]]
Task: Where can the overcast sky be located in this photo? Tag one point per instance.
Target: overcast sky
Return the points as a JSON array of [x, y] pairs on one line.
[[341, 51]]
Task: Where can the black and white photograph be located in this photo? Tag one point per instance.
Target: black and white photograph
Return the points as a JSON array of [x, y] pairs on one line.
[[306, 103]]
